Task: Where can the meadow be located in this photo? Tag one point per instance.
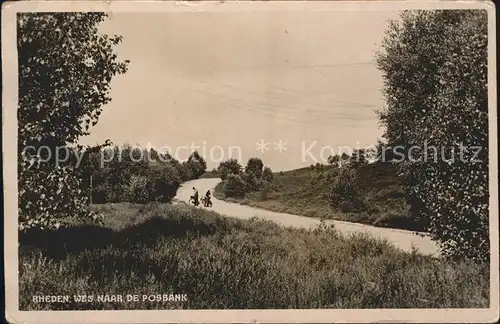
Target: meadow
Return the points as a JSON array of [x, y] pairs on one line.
[[225, 263]]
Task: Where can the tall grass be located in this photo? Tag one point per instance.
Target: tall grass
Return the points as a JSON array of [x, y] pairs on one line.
[[227, 263]]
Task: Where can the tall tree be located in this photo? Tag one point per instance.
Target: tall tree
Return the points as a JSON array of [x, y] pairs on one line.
[[65, 70], [434, 65], [197, 164]]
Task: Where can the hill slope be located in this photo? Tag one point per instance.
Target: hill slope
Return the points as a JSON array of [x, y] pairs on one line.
[[305, 192]]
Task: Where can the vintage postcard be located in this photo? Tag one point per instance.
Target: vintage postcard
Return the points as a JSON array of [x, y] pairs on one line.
[[250, 162]]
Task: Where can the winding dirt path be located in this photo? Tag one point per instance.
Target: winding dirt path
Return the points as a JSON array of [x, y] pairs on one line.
[[402, 239]]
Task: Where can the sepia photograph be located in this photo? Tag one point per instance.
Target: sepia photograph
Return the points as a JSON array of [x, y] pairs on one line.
[[278, 161]]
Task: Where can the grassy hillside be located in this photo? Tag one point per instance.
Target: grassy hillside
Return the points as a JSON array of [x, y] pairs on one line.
[[305, 192], [227, 263]]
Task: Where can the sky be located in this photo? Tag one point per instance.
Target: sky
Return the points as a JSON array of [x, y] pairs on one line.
[[303, 85]]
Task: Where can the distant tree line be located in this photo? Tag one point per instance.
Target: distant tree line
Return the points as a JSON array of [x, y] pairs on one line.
[[358, 157], [137, 174]]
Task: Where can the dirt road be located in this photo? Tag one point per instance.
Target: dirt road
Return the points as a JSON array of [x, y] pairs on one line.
[[400, 238]]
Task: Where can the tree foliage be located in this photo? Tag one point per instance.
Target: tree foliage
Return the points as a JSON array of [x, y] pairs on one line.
[[267, 174], [345, 194], [196, 164], [123, 171], [333, 159], [358, 158], [434, 65], [252, 183], [383, 152], [234, 186], [138, 189], [65, 70], [164, 182], [230, 166], [254, 166], [254, 177]]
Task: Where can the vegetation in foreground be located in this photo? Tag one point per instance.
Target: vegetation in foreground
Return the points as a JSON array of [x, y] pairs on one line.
[[308, 192], [227, 263]]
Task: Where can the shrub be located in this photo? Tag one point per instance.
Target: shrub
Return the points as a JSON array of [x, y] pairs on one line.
[[196, 164], [48, 195], [334, 160], [163, 183], [234, 186], [254, 165], [251, 181], [344, 194], [186, 171], [163, 173], [230, 166], [117, 193], [99, 193], [178, 167], [138, 189], [267, 174]]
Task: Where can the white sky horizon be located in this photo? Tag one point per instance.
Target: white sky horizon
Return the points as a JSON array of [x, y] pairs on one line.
[[222, 80]]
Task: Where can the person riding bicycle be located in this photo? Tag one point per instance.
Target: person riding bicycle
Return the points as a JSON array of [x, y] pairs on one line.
[[206, 199], [195, 197]]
